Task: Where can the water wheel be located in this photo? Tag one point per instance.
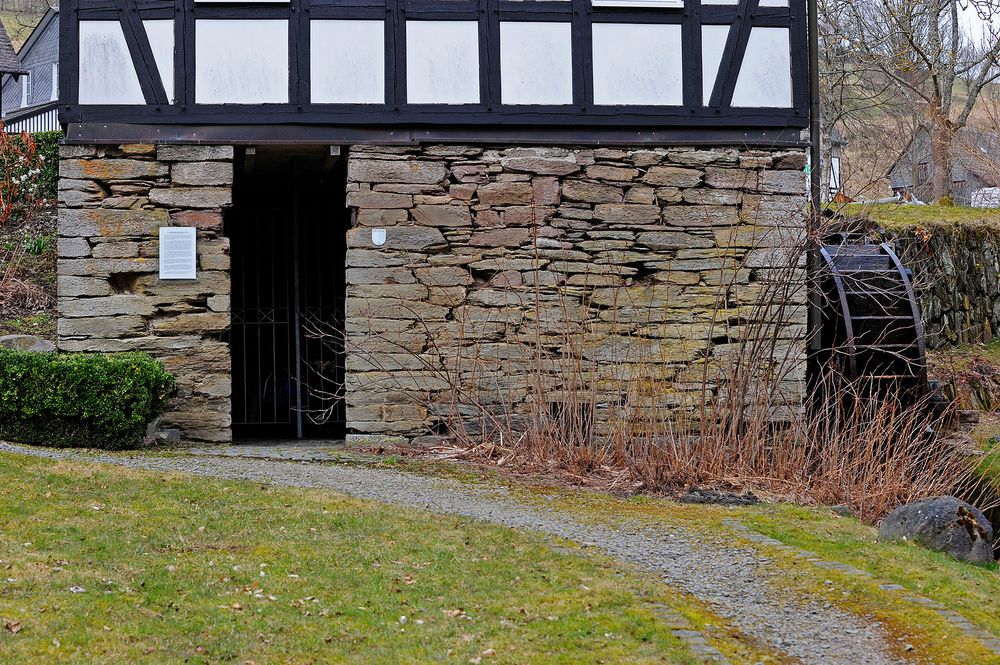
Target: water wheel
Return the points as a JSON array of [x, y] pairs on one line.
[[871, 329]]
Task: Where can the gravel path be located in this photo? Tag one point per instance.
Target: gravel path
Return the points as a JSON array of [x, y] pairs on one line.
[[732, 579]]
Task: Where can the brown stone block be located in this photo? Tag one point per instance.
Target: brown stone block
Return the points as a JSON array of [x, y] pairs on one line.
[[102, 326], [104, 267], [376, 275], [507, 237], [193, 153], [700, 215], [396, 291], [68, 248], [192, 197], [540, 165], [392, 308], [406, 171], [69, 286], [591, 192], [443, 215], [505, 193], [672, 176], [627, 213], [784, 182], [723, 178], [444, 276], [658, 240], [201, 322], [89, 222], [202, 174], [614, 173], [114, 305], [367, 258], [115, 250], [111, 169], [414, 238], [377, 217], [369, 199], [544, 191], [214, 261]]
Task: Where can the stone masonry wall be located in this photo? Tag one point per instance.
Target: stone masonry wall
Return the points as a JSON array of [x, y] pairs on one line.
[[956, 277], [112, 201], [506, 274]]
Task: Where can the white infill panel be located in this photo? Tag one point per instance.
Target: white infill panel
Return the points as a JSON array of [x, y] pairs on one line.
[[536, 63], [161, 41], [713, 43], [765, 78], [107, 75], [347, 62], [637, 64], [442, 62], [241, 61]]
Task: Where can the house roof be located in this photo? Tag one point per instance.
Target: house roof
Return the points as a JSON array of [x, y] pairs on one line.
[[973, 151], [37, 31], [9, 62]]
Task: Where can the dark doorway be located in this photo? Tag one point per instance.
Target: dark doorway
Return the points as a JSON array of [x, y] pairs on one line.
[[287, 230]]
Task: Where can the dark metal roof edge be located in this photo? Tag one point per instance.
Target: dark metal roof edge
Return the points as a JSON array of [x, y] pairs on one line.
[[119, 133]]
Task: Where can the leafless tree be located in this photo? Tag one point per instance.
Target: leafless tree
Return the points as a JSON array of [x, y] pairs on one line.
[[917, 51]]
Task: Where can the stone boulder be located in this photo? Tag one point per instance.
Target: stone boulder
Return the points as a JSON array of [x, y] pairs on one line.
[[944, 524], [26, 343]]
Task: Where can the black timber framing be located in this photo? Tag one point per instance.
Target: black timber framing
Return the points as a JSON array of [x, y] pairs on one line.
[[756, 125]]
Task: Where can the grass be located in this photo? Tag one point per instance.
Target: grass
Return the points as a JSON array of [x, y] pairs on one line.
[[108, 565], [40, 324], [893, 216], [966, 589]]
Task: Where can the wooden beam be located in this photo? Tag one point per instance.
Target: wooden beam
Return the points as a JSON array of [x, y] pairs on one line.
[[142, 54], [732, 55]]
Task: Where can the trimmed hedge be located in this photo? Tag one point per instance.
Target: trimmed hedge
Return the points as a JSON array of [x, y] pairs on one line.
[[80, 400]]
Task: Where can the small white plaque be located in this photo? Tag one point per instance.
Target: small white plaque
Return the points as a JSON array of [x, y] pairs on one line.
[[378, 237], [178, 252]]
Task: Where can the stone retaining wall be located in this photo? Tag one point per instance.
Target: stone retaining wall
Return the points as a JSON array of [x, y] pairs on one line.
[[112, 201], [956, 276], [509, 277]]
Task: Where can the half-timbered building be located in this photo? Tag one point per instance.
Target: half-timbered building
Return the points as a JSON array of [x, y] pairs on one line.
[[348, 216]]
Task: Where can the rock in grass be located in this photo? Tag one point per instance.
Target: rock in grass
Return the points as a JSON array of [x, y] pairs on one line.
[[944, 524], [26, 343]]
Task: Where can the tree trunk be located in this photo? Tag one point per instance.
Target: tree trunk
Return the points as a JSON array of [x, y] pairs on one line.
[[941, 139]]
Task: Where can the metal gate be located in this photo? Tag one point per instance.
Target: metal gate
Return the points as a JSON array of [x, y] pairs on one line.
[[287, 234]]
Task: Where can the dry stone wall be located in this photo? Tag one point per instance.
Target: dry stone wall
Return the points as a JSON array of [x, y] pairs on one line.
[[482, 281], [956, 273], [112, 201]]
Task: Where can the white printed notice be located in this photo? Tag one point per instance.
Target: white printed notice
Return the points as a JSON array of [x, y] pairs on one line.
[[178, 252]]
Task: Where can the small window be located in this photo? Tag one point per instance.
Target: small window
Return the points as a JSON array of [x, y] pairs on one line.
[[921, 173], [55, 82], [25, 89]]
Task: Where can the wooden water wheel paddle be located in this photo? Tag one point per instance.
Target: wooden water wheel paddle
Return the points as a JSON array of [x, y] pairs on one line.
[[871, 321]]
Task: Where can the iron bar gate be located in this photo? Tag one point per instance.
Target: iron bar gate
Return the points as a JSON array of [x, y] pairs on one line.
[[287, 244]]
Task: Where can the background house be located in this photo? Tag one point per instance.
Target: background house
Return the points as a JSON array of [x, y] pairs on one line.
[[975, 166], [29, 102]]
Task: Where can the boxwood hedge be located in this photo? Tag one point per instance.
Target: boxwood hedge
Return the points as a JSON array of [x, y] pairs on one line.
[[80, 400]]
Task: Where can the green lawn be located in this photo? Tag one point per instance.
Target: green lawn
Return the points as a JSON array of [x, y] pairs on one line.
[[107, 565], [971, 591], [895, 216]]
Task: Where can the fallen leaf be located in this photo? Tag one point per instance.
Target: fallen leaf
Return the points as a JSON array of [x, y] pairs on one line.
[[12, 626], [489, 653]]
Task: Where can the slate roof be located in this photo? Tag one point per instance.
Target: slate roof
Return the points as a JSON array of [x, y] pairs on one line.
[[9, 62]]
